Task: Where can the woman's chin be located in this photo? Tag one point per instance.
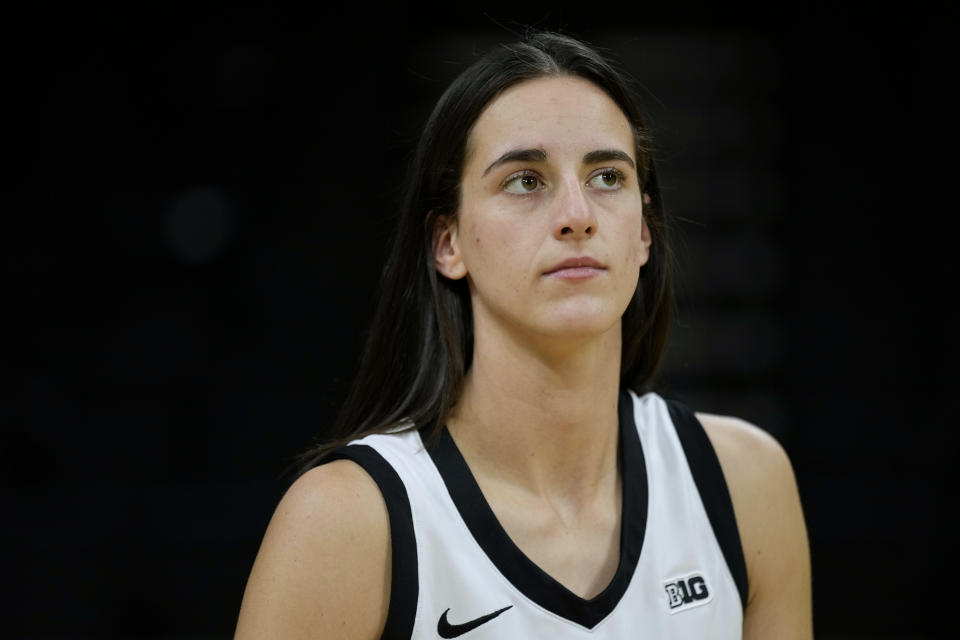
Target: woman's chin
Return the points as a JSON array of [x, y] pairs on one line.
[[581, 325]]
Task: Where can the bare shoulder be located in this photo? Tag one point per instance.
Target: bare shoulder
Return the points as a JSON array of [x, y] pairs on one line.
[[746, 450], [323, 569], [769, 516]]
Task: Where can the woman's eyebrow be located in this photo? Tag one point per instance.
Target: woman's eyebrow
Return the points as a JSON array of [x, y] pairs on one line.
[[539, 155], [518, 155], [606, 155]]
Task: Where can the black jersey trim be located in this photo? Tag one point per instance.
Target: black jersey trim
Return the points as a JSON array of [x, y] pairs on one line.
[[522, 572], [712, 486], [404, 582]]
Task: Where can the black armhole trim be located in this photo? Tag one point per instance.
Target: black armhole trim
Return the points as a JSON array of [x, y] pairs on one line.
[[712, 486], [404, 582]]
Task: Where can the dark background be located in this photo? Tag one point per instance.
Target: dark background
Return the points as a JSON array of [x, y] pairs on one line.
[[202, 213]]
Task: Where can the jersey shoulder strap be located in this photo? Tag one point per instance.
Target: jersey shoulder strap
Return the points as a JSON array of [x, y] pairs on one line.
[[404, 582], [712, 487]]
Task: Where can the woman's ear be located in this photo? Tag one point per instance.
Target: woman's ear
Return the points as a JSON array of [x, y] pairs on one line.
[[446, 248], [644, 235]]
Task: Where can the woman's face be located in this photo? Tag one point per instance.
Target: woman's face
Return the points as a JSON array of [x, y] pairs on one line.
[[550, 233]]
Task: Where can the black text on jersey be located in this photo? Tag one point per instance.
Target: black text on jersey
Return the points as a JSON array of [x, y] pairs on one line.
[[686, 592]]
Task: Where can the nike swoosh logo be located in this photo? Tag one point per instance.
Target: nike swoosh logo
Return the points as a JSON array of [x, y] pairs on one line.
[[447, 630]]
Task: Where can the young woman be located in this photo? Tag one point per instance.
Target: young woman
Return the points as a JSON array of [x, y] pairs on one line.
[[503, 478]]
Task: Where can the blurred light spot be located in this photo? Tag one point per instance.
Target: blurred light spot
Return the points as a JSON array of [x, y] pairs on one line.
[[199, 225]]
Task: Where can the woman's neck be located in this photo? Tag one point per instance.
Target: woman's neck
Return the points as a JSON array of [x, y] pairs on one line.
[[546, 422]]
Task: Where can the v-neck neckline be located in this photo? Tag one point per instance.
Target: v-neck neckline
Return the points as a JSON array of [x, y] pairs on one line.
[[515, 566]]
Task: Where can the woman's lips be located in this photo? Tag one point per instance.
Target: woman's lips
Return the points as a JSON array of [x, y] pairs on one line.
[[575, 269]]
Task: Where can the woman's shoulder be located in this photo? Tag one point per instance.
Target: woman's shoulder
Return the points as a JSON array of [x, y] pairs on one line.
[[331, 501], [740, 441], [338, 487], [324, 564], [755, 465], [770, 520]]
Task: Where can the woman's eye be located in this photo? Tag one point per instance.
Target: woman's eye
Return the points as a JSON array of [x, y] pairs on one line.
[[607, 180], [525, 183]]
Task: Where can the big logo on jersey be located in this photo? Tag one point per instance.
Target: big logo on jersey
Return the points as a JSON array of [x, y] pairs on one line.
[[686, 592]]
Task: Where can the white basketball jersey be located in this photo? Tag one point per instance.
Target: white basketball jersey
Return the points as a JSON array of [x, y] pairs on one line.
[[457, 573]]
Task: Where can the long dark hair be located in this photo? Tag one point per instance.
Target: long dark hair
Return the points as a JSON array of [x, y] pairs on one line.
[[420, 343]]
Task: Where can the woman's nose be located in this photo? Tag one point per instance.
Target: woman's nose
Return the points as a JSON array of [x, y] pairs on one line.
[[575, 217]]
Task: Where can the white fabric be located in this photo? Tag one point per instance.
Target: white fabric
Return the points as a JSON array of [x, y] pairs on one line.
[[456, 574]]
